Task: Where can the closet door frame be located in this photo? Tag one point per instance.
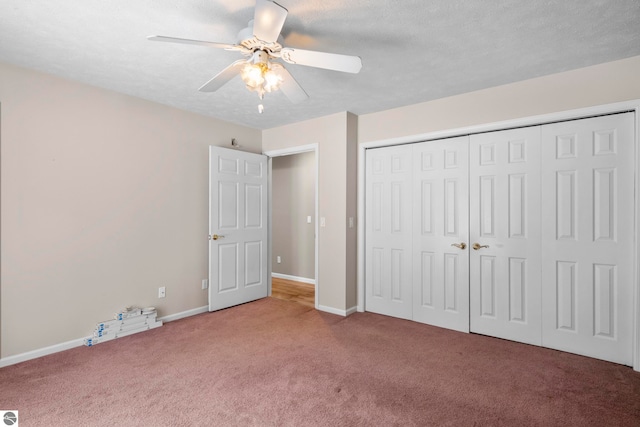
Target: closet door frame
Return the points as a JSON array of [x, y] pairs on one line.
[[628, 106]]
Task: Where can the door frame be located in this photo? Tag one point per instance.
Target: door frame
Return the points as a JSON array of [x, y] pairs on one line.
[[287, 152], [619, 107]]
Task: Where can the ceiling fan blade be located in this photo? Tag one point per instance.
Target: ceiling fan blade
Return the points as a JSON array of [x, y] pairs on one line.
[[223, 77], [268, 20], [290, 86], [188, 41], [328, 61]]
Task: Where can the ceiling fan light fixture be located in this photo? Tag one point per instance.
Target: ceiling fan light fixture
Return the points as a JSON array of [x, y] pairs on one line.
[[253, 75], [261, 75], [272, 80]]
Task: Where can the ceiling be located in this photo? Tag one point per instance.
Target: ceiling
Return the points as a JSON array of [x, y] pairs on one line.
[[412, 51]]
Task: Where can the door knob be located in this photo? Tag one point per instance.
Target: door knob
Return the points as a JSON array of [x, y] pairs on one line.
[[462, 245], [215, 237], [477, 246]]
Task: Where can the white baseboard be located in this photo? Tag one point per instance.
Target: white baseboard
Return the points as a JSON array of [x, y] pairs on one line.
[[294, 278], [183, 314], [343, 313], [34, 354]]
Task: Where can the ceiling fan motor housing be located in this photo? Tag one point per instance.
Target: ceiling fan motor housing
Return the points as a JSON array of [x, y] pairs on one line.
[[249, 41], [260, 57]]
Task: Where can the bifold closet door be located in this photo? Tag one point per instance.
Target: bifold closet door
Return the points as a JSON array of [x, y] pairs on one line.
[[441, 233], [587, 236], [504, 210], [524, 234], [388, 232]]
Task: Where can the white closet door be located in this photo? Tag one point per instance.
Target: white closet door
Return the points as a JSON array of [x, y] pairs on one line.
[[587, 236], [504, 214], [440, 221], [388, 231]]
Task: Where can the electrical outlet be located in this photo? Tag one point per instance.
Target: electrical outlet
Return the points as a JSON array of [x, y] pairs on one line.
[[205, 283], [162, 292], [350, 222], [278, 259]]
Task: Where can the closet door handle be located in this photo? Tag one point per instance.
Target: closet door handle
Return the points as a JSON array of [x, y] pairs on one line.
[[215, 237], [462, 245], [477, 246]]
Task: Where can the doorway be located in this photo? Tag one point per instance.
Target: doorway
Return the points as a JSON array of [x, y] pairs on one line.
[[293, 225]]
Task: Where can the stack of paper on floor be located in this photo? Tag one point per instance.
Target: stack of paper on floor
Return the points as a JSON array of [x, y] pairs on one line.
[[129, 321]]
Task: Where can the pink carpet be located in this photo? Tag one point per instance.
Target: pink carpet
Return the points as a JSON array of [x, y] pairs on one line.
[[277, 363]]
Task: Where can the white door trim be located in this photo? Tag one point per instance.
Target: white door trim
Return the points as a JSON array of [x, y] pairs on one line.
[[619, 107], [287, 152]]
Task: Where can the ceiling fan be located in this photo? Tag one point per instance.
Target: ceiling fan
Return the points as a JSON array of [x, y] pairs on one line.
[[260, 42]]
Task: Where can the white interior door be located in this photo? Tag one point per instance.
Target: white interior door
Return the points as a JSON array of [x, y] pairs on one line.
[[440, 222], [238, 229], [587, 236], [388, 231], [505, 222]]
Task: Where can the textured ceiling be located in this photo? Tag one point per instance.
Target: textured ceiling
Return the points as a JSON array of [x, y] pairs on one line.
[[412, 50]]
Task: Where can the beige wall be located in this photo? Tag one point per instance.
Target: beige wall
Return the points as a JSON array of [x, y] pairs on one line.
[[332, 134], [293, 199], [597, 85], [104, 199], [352, 211]]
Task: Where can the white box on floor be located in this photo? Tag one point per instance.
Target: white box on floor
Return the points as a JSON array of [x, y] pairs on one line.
[[91, 341], [123, 327], [107, 324], [121, 334], [128, 313]]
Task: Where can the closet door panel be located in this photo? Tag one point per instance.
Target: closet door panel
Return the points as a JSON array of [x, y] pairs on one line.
[[440, 221], [587, 236], [388, 249], [504, 210]]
